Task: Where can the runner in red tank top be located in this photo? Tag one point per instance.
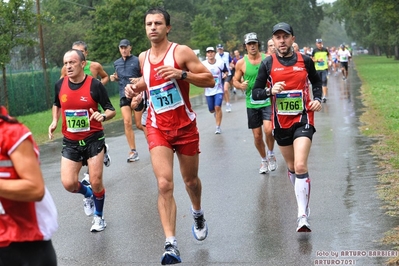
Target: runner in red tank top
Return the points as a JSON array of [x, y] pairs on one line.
[[77, 97], [285, 76], [167, 70], [28, 216]]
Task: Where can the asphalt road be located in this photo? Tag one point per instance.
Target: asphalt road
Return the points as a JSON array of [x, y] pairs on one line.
[[251, 217]]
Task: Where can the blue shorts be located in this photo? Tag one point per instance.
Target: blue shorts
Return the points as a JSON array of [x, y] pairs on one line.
[[323, 76], [214, 100]]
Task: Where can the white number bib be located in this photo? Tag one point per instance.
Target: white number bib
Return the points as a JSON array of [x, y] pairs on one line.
[[289, 102], [77, 120], [165, 97]]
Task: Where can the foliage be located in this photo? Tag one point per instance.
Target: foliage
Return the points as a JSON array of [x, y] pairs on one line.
[[116, 20], [205, 34], [372, 23], [17, 23]]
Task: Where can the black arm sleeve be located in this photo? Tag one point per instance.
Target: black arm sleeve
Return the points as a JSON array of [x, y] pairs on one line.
[[314, 78], [57, 88], [259, 90], [100, 95]]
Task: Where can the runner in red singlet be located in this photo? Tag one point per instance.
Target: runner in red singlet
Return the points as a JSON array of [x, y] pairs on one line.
[[168, 69], [285, 75]]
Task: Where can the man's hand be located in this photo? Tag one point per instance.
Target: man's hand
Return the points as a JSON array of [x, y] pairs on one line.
[[168, 72], [136, 100], [113, 77], [130, 91], [96, 115], [51, 129]]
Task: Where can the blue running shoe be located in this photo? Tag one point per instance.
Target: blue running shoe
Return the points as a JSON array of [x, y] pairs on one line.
[[171, 254]]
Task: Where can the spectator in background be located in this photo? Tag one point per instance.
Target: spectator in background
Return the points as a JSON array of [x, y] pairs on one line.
[[321, 57], [270, 47], [214, 95], [233, 63], [343, 57], [226, 58], [127, 69]]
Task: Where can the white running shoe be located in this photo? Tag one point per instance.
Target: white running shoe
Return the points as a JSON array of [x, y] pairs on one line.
[[272, 162], [200, 228], [133, 156], [228, 107], [99, 224], [218, 131], [107, 158], [264, 167], [88, 206], [303, 225]]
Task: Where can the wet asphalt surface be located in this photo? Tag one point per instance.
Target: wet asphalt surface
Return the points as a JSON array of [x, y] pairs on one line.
[[251, 217]]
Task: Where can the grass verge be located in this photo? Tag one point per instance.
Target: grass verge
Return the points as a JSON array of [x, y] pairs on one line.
[[380, 121]]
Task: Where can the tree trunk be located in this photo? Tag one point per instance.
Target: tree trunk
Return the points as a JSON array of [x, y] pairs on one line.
[[5, 87], [396, 49]]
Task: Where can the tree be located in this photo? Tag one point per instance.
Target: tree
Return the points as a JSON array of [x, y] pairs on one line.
[[116, 20], [371, 23], [17, 23], [204, 33], [65, 22]]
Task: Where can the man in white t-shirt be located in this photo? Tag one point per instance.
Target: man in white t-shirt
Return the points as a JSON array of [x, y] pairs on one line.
[[214, 95], [343, 57]]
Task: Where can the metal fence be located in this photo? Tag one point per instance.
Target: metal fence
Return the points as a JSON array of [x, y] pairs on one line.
[[27, 92]]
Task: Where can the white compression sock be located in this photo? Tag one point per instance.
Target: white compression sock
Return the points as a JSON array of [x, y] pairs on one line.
[[302, 193]]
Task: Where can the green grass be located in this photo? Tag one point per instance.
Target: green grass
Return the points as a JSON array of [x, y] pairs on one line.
[[38, 123], [380, 80]]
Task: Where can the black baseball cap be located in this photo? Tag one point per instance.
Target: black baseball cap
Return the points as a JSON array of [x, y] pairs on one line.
[[284, 27], [124, 43]]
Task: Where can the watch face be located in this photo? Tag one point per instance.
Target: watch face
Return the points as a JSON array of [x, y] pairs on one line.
[[183, 75]]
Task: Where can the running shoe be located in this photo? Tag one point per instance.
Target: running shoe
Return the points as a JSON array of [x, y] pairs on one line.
[[86, 179], [272, 162], [264, 168], [218, 130], [99, 224], [133, 156], [303, 225], [88, 206], [171, 254], [107, 158], [324, 99], [200, 228], [228, 107]]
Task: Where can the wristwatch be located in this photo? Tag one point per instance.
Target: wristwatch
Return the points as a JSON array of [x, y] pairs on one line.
[[183, 75], [104, 117]]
